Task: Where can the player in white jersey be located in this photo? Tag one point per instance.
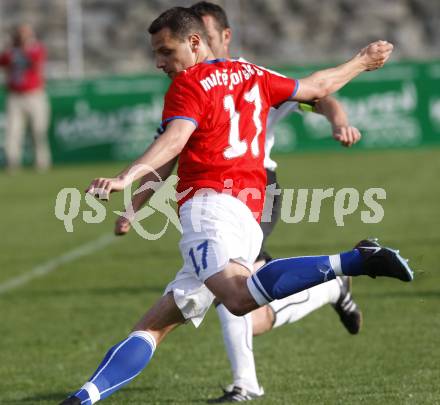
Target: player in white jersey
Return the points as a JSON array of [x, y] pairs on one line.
[[238, 331]]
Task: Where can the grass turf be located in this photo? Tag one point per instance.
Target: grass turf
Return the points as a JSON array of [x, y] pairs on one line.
[[55, 329]]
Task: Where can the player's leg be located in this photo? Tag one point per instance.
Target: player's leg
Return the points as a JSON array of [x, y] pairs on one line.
[[125, 360], [186, 298], [218, 221], [15, 124], [230, 288], [38, 108], [295, 307], [237, 335], [240, 356], [237, 331], [283, 277], [228, 280]]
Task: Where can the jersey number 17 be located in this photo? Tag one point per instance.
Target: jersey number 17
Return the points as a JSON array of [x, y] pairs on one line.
[[236, 146]]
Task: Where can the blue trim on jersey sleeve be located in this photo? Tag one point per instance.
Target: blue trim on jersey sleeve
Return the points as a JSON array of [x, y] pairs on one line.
[[215, 60], [295, 90], [176, 117]]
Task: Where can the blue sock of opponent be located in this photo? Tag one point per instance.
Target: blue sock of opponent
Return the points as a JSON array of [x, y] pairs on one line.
[[121, 364], [283, 277]]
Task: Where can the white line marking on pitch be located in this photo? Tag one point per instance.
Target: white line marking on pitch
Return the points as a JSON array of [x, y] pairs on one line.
[[53, 264]]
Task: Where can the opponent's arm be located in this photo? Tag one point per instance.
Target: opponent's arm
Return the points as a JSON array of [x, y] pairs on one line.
[[325, 82], [333, 110], [123, 223], [160, 152]]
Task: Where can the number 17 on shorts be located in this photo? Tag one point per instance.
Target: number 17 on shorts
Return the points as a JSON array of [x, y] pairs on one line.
[[198, 256]]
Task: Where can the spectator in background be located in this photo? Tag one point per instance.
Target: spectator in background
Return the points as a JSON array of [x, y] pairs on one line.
[[26, 101]]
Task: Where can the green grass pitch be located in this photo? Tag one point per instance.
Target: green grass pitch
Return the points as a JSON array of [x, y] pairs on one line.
[[55, 329]]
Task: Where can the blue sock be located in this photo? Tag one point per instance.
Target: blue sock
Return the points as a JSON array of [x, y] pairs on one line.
[[121, 364], [352, 263], [283, 277]]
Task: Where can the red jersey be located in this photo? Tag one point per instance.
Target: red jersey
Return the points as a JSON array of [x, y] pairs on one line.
[[229, 102], [24, 67]]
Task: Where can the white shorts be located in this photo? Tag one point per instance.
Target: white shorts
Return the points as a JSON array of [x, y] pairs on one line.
[[217, 228]]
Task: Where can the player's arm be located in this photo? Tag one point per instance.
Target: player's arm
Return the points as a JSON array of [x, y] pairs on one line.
[[123, 223], [163, 150], [325, 82], [333, 110]]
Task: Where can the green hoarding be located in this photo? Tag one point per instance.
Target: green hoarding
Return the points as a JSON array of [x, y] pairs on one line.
[[105, 119], [112, 118], [115, 118]]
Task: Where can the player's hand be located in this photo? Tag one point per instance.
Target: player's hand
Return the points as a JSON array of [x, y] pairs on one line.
[[346, 135], [102, 187], [376, 54], [122, 226]]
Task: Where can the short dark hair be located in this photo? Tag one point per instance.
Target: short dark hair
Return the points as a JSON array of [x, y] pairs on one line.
[[203, 8], [181, 21]]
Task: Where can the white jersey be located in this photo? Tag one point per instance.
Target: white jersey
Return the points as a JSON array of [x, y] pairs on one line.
[[275, 115]]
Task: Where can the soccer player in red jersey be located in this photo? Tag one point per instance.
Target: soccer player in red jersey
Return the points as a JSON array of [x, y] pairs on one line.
[[238, 331], [214, 121]]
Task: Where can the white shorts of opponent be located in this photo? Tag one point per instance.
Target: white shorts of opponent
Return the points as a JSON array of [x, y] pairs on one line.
[[217, 228]]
